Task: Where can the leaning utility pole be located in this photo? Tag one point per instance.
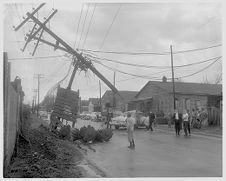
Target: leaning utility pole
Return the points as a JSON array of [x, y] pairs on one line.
[[39, 76], [60, 44], [114, 99], [174, 99]]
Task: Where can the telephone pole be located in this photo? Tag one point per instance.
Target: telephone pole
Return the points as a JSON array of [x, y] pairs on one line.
[[34, 97], [174, 99], [38, 76]]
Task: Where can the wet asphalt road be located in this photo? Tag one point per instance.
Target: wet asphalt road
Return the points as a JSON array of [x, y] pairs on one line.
[[159, 154]]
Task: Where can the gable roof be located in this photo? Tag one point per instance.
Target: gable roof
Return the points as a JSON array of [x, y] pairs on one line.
[[127, 95], [186, 88]]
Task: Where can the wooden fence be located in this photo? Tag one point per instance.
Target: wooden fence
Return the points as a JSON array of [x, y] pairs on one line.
[[13, 98]]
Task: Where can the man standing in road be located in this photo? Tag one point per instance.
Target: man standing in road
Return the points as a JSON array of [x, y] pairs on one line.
[[189, 122], [176, 122], [185, 122], [151, 117], [130, 121]]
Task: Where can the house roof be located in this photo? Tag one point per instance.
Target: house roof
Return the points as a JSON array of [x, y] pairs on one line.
[[94, 100], [186, 88], [127, 95]]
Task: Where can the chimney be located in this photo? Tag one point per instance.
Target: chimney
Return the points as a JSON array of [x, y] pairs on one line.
[[164, 79]]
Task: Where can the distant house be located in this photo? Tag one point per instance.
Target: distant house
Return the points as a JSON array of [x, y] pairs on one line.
[[94, 105], [157, 96], [116, 101], [84, 106]]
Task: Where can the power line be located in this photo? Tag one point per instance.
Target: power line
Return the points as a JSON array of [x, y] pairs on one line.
[[54, 87], [157, 78], [76, 36], [151, 66], [45, 57], [90, 22], [83, 25], [106, 34], [150, 53], [116, 70], [200, 69], [197, 49]]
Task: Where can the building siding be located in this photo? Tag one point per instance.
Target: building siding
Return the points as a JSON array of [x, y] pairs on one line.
[[162, 101]]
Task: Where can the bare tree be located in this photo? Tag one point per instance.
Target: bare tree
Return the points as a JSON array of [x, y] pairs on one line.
[[217, 79]]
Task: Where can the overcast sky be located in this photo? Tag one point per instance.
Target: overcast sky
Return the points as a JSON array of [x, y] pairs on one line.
[[145, 27]]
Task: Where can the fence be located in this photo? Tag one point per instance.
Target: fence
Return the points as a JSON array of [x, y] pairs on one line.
[[214, 116], [13, 97]]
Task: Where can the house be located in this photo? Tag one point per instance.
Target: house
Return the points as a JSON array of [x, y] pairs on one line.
[[94, 105], [157, 96], [116, 101], [84, 106]]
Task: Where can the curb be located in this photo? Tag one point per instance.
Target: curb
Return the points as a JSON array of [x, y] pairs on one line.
[[194, 133], [91, 165]]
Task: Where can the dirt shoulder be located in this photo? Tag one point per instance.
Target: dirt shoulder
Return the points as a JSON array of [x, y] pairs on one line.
[[42, 154]]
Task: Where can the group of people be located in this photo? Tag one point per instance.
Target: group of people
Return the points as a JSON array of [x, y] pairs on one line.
[[182, 119]]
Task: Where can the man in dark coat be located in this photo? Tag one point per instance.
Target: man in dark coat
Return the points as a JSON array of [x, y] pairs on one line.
[[151, 117], [177, 122]]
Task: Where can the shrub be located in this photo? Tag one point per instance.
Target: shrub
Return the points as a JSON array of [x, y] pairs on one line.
[[82, 131], [104, 135], [90, 134], [75, 134], [65, 132]]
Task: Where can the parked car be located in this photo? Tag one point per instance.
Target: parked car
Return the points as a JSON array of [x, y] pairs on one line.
[[118, 122], [43, 114], [141, 121]]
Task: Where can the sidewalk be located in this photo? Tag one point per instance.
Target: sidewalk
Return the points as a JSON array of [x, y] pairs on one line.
[[214, 131]]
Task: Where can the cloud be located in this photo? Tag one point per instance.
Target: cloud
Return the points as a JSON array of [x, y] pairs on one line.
[[138, 27]]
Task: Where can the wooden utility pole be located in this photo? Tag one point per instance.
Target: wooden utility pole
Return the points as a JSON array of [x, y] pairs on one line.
[[59, 44], [174, 99], [35, 97], [39, 76], [100, 97]]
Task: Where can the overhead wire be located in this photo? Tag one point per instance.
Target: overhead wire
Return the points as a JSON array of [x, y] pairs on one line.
[[87, 10], [150, 53], [149, 66], [113, 20], [149, 77], [11, 19], [200, 69], [76, 35], [30, 58], [120, 71], [54, 87], [90, 22]]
